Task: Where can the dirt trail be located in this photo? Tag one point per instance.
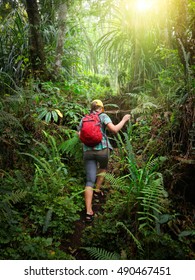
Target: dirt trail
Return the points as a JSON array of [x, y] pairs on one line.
[[73, 244]]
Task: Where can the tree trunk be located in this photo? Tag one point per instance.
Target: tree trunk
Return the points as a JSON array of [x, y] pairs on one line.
[[36, 46]]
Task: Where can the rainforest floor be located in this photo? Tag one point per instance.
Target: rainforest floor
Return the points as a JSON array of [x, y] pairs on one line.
[[74, 243]]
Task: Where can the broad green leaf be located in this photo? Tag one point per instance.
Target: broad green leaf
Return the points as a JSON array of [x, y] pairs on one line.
[[187, 233], [55, 116], [42, 115], [48, 117]]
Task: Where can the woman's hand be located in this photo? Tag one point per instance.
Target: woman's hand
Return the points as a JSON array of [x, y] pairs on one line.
[[115, 128], [126, 117]]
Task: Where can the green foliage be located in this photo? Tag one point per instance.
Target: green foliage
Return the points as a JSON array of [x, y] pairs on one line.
[[130, 42], [10, 128], [142, 186], [164, 247], [137, 242], [25, 247], [9, 196], [49, 114], [49, 98], [52, 105], [13, 193], [41, 195], [151, 199], [73, 113], [144, 189], [88, 87], [145, 104], [12, 138], [101, 254], [72, 147], [52, 190], [37, 210], [13, 47], [187, 233]]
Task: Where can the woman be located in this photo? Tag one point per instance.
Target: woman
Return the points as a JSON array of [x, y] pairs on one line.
[[98, 155]]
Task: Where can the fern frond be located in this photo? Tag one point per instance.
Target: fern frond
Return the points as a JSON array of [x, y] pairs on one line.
[[150, 197], [116, 182], [101, 254], [138, 244], [153, 164], [14, 197], [72, 147]]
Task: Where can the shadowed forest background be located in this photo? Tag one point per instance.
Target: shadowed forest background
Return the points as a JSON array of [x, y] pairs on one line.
[[137, 57]]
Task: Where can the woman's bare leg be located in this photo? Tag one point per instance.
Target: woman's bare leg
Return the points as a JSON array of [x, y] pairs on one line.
[[88, 199]]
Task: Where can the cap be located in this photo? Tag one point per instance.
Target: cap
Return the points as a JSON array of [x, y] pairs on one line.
[[98, 102]]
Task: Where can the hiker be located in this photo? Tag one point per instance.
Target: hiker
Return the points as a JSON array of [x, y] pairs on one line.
[[98, 155]]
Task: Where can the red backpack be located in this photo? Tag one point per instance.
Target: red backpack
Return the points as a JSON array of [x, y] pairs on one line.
[[90, 133]]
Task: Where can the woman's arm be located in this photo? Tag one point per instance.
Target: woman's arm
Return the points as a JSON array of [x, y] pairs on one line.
[[115, 128]]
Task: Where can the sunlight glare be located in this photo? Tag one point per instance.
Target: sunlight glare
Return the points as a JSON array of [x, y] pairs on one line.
[[144, 5]]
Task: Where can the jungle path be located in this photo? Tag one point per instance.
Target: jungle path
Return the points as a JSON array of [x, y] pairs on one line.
[[74, 243]]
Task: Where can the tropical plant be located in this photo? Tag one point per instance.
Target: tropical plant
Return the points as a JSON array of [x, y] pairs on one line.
[[9, 197], [130, 41], [145, 104], [13, 192], [72, 147], [49, 114], [12, 138], [13, 47], [142, 186], [52, 188]]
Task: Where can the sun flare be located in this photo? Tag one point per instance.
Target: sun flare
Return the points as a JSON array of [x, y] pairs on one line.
[[144, 5]]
